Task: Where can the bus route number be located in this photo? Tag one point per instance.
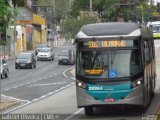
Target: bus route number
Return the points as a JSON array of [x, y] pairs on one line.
[[92, 44]]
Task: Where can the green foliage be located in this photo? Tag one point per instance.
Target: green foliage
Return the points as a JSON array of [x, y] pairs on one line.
[[5, 14], [7, 11], [19, 3], [108, 10], [70, 27], [3, 42], [54, 16]]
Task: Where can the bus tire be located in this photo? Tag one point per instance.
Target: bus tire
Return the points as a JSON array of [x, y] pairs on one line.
[[152, 90], [88, 110]]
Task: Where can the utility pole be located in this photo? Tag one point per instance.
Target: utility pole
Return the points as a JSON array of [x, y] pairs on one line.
[[142, 15], [15, 35], [133, 8], [90, 5]]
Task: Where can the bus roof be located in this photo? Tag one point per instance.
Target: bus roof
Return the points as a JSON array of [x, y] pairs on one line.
[[153, 23], [109, 29]]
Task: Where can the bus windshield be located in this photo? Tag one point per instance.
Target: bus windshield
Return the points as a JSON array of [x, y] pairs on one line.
[[156, 28], [108, 64]]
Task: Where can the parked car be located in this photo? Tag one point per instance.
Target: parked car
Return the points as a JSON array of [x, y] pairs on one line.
[[45, 54], [66, 57], [39, 46], [25, 60], [4, 68]]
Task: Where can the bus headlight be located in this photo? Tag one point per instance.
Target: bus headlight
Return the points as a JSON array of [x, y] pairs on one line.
[[81, 85], [136, 83]]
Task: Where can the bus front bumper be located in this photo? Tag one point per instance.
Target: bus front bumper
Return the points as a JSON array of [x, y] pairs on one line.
[[134, 98]]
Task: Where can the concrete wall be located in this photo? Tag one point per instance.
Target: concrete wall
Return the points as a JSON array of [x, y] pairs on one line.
[[10, 48]]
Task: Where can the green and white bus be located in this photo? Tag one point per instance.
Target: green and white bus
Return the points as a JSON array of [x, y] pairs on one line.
[[155, 26], [115, 65]]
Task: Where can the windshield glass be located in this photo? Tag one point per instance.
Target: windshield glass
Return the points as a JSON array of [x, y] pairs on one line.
[[44, 50], [108, 64], [42, 46], [156, 28], [24, 56], [64, 54]]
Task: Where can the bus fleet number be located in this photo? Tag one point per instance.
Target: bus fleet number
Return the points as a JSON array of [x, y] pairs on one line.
[[95, 88]]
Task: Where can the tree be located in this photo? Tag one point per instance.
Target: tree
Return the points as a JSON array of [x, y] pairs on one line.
[[5, 17], [6, 11], [106, 10], [57, 10], [70, 26], [19, 3]]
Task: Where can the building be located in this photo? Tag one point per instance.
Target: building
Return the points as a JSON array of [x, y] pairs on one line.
[[30, 28]]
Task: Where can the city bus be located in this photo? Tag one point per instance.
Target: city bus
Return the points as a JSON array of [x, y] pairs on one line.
[[115, 65], [155, 26]]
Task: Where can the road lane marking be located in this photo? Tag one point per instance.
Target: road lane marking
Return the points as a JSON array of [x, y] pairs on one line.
[[15, 98], [74, 114], [20, 106], [51, 93], [28, 83], [35, 100], [46, 84], [64, 73], [73, 78], [16, 108], [40, 98]]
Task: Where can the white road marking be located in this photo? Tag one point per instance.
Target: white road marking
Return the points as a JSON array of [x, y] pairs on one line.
[[34, 100], [51, 93], [15, 98], [73, 78], [72, 83], [64, 73], [27, 103], [42, 97], [46, 84], [16, 108], [74, 114], [28, 83]]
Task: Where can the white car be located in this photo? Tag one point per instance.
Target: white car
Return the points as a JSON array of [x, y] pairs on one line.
[[45, 54]]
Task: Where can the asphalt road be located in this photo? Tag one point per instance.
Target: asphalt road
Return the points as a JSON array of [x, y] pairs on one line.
[[32, 84], [47, 91]]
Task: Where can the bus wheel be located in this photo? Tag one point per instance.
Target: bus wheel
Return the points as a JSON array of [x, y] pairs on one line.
[[152, 91], [88, 110]]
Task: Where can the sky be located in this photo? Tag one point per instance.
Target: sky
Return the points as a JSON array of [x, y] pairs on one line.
[[155, 1]]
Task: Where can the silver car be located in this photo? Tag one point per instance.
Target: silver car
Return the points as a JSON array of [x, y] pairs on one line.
[[4, 68], [45, 54]]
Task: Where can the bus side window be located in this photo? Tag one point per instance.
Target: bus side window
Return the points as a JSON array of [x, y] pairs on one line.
[[134, 63]]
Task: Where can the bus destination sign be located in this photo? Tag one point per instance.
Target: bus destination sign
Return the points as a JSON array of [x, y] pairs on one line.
[[94, 71], [104, 44]]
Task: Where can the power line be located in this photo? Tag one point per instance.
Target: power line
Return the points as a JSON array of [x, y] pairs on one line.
[[53, 7]]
